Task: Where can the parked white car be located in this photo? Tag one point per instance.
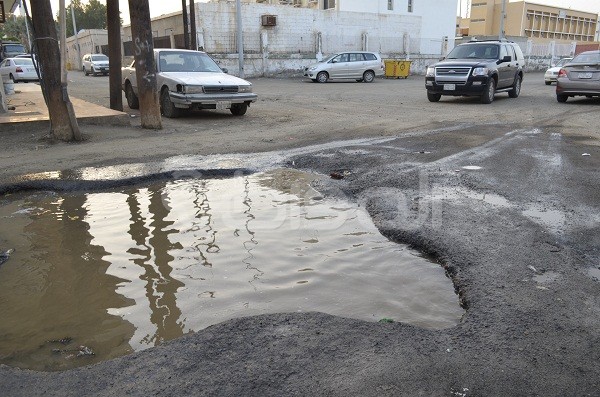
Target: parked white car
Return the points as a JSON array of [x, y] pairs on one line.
[[191, 80], [95, 63], [552, 73], [18, 69], [357, 65]]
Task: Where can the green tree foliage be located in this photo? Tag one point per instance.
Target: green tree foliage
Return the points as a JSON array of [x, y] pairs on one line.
[[14, 29], [91, 15]]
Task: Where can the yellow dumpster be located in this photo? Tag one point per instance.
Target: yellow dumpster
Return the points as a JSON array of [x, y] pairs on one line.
[[396, 69]]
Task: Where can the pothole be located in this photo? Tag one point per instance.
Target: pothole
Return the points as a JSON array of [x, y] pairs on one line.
[[97, 275]]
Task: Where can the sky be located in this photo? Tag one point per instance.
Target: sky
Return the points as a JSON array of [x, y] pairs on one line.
[[159, 7]]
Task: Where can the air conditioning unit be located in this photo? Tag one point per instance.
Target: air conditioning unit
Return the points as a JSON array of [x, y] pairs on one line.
[[297, 3], [268, 20]]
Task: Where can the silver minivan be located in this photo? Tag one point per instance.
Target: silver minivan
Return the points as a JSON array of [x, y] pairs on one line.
[[357, 65]]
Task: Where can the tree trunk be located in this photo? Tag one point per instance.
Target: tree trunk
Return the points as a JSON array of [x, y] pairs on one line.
[[186, 31], [63, 124], [145, 65], [193, 43], [114, 54]]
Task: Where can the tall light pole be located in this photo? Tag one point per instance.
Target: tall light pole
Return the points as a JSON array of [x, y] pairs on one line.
[[502, 18], [76, 37], [240, 39]]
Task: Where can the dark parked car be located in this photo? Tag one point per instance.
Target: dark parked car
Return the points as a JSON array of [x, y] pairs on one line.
[[579, 77], [477, 68]]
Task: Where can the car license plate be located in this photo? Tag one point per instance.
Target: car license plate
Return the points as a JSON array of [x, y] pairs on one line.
[[587, 75], [449, 87], [223, 105]]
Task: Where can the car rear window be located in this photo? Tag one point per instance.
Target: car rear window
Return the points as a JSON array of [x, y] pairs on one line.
[[593, 58], [22, 61]]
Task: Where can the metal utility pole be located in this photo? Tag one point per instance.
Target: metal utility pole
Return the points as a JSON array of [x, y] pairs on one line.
[[193, 42], [76, 37], [186, 30], [502, 18], [27, 29], [240, 38], [63, 123], [145, 65], [113, 21]]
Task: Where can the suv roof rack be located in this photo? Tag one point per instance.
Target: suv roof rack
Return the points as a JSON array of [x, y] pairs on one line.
[[475, 40]]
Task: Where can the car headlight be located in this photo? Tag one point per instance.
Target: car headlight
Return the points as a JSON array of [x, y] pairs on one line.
[[481, 71], [313, 68], [430, 71], [245, 88], [192, 89]]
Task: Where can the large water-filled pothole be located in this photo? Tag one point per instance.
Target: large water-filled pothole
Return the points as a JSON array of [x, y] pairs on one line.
[[97, 275]]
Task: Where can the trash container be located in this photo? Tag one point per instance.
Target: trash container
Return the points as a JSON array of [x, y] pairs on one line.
[[397, 69], [9, 87]]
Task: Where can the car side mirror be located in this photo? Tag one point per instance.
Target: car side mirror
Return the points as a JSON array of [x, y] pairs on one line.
[[334, 61], [441, 58], [225, 70], [507, 58]]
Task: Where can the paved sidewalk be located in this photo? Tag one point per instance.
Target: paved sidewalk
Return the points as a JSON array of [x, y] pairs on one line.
[[31, 111]]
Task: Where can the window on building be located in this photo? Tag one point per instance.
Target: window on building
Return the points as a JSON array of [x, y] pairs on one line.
[[410, 5], [390, 5], [327, 4]]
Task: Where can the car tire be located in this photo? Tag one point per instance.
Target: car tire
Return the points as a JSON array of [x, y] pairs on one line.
[[167, 107], [132, 100], [238, 109], [434, 97], [12, 78], [548, 82], [490, 91], [516, 88], [85, 72], [368, 76], [94, 72], [562, 98], [322, 77]]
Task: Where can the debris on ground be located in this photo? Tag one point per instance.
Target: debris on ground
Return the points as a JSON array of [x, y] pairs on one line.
[[4, 255]]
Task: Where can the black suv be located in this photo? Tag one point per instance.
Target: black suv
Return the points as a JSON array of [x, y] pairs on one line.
[[477, 68]]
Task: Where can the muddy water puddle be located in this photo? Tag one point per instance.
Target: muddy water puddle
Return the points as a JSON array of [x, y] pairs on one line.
[[94, 276]]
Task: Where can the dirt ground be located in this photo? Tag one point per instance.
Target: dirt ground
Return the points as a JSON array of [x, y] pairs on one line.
[[528, 282]]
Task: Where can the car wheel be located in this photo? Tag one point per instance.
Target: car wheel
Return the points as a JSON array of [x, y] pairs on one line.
[[368, 76], [85, 72], [132, 99], [167, 107], [488, 95], [322, 77], [434, 97], [548, 82], [516, 89], [238, 109], [94, 72], [562, 98], [12, 79]]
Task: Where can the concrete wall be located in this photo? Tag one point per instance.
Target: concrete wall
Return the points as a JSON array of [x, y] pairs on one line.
[[303, 35]]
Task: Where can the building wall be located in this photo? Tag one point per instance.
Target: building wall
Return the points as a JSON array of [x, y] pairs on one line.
[[303, 35]]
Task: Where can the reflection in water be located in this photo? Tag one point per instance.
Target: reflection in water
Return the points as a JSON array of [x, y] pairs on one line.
[[122, 271]]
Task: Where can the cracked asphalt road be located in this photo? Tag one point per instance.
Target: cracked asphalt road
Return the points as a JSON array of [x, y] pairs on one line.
[[519, 237]]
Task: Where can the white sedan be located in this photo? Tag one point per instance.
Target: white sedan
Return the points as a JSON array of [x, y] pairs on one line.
[[18, 69], [191, 80], [552, 73]]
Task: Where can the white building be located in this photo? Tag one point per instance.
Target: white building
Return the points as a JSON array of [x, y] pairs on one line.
[[90, 42]]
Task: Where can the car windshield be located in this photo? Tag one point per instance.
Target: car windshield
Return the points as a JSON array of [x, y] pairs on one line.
[[477, 51], [99, 58], [591, 58], [23, 61], [186, 61], [329, 58], [561, 62], [14, 48]]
